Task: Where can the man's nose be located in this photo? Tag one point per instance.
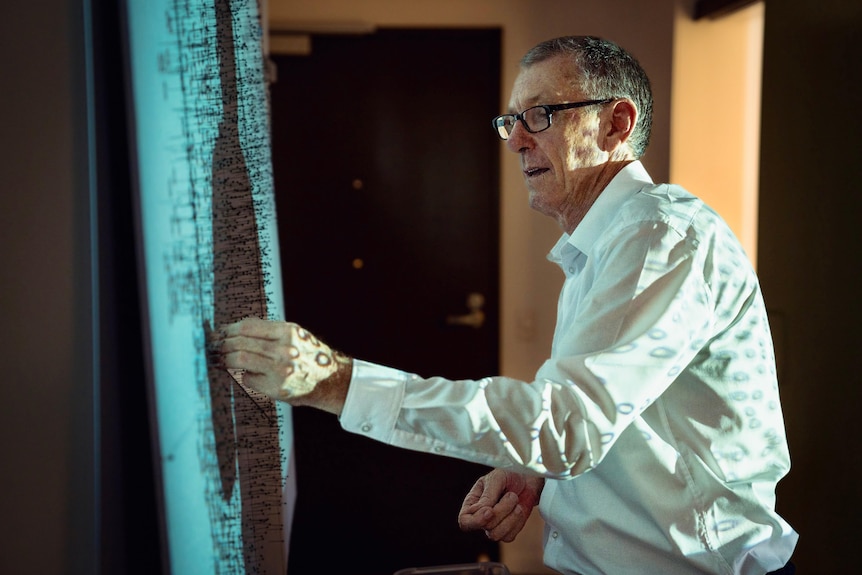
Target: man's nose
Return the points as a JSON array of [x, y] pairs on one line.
[[519, 139]]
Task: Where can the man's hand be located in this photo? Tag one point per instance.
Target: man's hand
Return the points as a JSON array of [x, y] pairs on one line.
[[287, 363], [500, 503]]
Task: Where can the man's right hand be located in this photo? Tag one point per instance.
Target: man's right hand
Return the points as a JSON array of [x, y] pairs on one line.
[[500, 503], [285, 362]]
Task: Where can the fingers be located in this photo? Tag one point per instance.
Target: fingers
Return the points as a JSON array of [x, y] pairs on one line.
[[512, 518], [247, 360], [489, 488], [254, 344], [487, 503], [253, 327], [497, 482], [479, 520], [500, 522], [266, 348], [475, 511], [263, 383], [218, 336], [499, 504]]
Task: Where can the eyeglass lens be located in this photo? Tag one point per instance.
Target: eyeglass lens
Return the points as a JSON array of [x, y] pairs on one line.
[[535, 119]]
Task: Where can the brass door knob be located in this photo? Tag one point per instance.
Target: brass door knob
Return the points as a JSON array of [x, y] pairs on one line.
[[475, 318]]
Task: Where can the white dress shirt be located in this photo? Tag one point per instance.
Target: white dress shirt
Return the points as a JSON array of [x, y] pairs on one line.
[[656, 417]]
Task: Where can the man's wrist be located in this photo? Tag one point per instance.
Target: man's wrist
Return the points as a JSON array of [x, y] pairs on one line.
[[331, 393]]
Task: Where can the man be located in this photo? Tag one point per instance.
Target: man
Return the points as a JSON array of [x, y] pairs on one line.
[[652, 438]]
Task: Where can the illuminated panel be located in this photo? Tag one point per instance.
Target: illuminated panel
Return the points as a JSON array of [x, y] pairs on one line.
[[210, 256]]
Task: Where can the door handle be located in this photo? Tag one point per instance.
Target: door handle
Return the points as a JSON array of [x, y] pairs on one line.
[[475, 318]]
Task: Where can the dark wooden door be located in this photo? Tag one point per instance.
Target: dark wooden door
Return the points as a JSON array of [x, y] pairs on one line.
[[808, 261], [386, 173]]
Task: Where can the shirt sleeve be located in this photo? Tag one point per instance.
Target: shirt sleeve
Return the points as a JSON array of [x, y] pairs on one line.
[[626, 330]]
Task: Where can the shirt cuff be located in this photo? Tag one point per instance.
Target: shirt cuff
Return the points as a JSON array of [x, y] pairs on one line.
[[373, 400]]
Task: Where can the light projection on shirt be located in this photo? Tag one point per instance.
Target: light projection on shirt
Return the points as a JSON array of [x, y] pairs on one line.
[[208, 233]]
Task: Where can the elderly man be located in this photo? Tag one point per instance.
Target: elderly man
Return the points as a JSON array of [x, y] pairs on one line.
[[652, 439]]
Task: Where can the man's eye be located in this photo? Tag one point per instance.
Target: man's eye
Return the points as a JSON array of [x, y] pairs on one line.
[[538, 114]]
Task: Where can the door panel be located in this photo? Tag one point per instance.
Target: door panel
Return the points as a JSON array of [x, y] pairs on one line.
[[386, 172]]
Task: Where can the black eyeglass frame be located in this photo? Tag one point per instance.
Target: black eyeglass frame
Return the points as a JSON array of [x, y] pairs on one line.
[[498, 125]]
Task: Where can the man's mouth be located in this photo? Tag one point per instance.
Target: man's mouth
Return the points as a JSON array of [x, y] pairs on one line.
[[532, 172]]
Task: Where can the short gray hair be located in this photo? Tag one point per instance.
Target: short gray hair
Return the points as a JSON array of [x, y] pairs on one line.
[[605, 70]]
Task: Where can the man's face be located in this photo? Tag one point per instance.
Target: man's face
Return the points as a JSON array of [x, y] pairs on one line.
[[555, 161]]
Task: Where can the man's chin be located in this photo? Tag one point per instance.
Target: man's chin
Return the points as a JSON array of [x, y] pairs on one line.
[[537, 202]]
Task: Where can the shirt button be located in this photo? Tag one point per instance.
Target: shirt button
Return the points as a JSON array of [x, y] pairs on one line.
[[438, 449], [366, 428], [555, 534]]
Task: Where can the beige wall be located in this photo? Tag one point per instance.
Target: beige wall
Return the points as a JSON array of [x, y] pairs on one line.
[[529, 283], [715, 134]]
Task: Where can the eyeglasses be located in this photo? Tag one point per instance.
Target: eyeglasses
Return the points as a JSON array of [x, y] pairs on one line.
[[537, 118]]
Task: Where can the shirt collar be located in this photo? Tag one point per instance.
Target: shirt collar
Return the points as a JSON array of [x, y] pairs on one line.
[[626, 183]]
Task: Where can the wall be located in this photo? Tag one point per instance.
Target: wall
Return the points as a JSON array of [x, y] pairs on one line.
[[529, 283], [46, 433], [715, 121], [809, 265]]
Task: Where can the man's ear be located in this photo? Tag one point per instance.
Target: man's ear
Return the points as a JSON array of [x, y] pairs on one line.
[[617, 124]]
